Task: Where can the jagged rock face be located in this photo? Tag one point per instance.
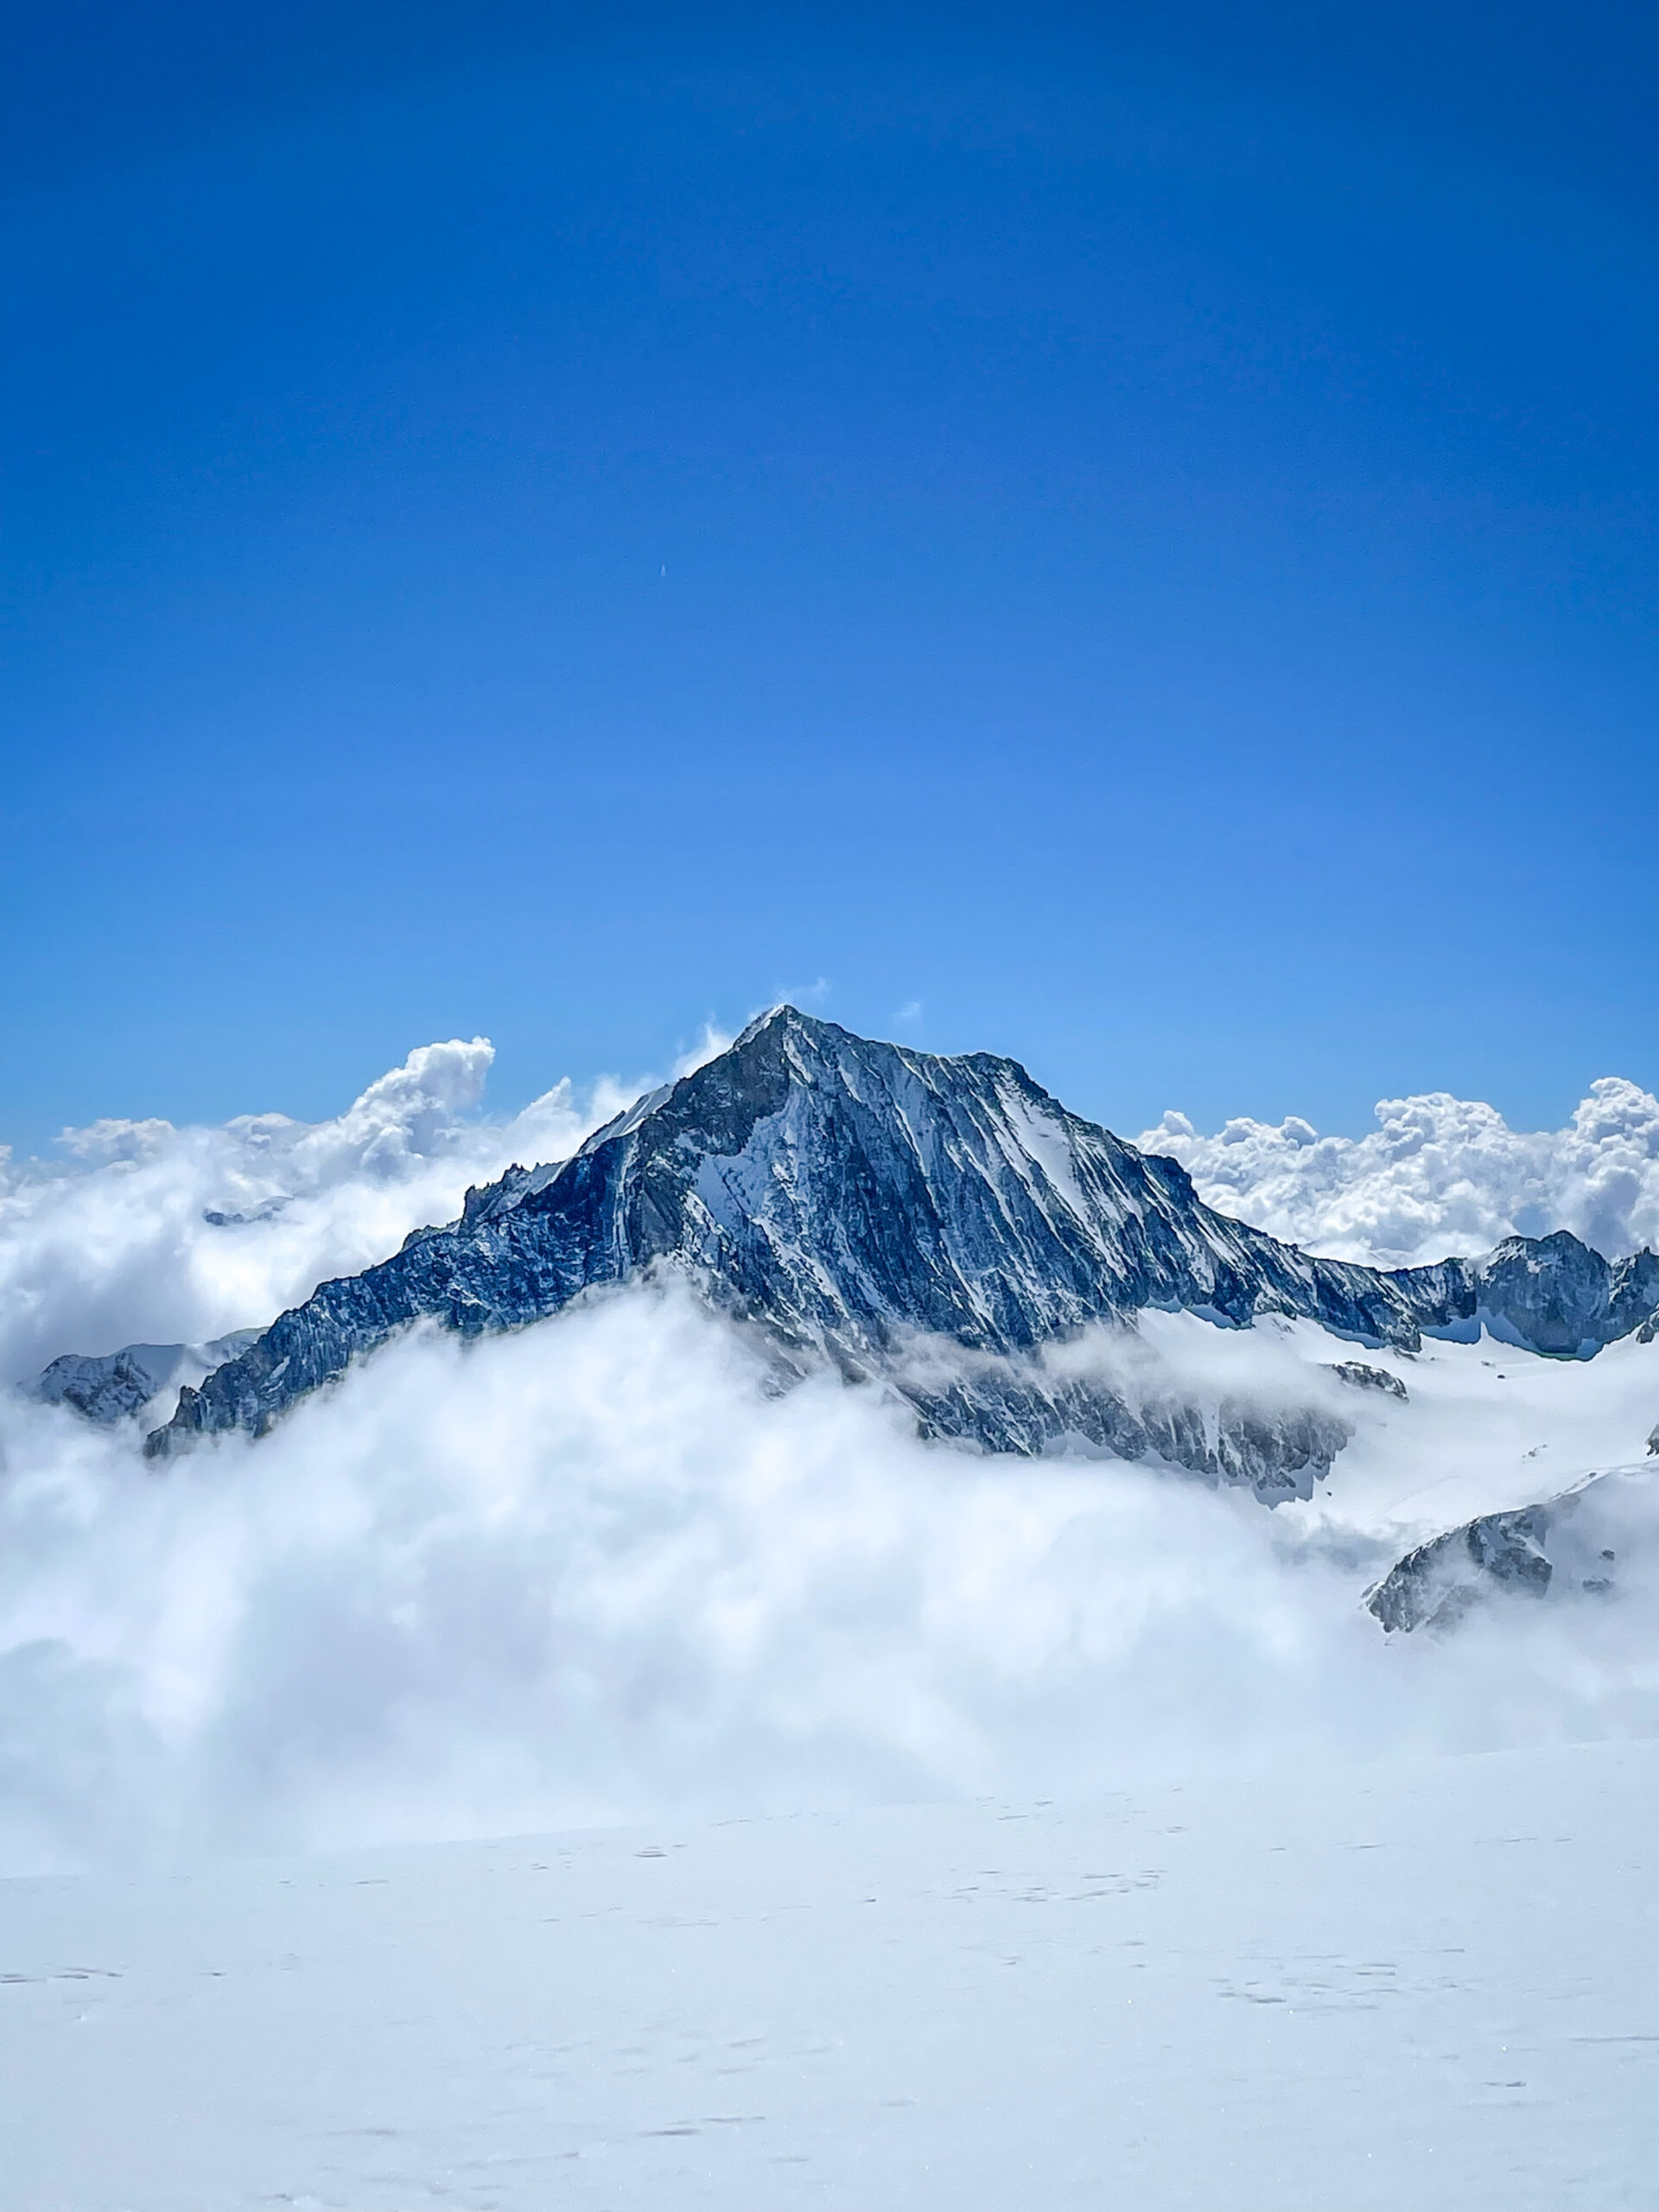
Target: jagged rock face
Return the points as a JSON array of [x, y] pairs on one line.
[[1435, 1585], [1554, 1294], [1020, 1406], [1280, 1455], [109, 1387], [1569, 1542], [1361, 1377], [853, 1198]]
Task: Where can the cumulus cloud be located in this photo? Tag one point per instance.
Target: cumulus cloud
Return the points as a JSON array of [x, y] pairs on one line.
[[1439, 1176], [148, 1234]]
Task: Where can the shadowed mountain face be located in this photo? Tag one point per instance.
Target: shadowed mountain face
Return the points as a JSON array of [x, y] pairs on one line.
[[873, 1205]]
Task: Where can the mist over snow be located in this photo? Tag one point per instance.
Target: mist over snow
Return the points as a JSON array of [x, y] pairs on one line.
[[1441, 1176], [601, 1569]]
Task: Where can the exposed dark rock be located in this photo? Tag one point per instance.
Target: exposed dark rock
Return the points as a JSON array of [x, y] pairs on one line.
[[1361, 1377], [268, 1211], [1525, 1552], [112, 1386], [1279, 1454], [855, 1198], [1020, 1405], [1554, 1294], [1433, 1585]]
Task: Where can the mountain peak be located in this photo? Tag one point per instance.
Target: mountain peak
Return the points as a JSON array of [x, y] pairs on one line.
[[857, 1200], [781, 1017]]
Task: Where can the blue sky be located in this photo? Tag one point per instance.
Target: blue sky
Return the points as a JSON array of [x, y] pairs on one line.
[[1125, 537]]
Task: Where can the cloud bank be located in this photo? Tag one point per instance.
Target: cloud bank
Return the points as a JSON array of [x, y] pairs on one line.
[[1441, 1176], [601, 1570]]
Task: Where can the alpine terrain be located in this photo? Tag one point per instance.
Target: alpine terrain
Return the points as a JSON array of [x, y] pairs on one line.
[[939, 1225]]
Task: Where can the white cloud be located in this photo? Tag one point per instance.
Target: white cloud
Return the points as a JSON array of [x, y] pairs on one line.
[[711, 1042], [158, 1235], [1442, 1175], [595, 1571]]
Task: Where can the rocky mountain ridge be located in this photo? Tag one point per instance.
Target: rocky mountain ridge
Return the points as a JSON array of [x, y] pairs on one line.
[[937, 1225]]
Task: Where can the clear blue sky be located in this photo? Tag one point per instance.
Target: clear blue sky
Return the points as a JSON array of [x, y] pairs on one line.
[[1132, 529]]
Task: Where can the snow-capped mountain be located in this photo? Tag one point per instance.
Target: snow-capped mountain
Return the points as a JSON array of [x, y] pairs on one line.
[[113, 1386], [934, 1223]]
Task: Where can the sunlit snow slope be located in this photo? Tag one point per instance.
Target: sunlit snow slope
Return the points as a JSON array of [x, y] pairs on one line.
[[1433, 1985]]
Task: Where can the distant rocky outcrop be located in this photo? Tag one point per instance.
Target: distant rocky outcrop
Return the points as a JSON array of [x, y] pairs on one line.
[[1554, 1294], [1355, 1371], [216, 1219], [109, 1387], [1568, 1541]]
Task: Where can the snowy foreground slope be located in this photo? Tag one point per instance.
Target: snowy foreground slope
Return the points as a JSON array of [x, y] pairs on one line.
[[1434, 1985]]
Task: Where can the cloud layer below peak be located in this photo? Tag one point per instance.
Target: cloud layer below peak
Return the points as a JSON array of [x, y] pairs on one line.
[[598, 1568]]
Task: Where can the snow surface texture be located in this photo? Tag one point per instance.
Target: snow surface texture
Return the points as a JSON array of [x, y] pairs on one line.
[[1442, 1175], [1326, 1991]]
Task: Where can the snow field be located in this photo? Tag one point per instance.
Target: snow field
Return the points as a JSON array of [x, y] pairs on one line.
[[1431, 1983]]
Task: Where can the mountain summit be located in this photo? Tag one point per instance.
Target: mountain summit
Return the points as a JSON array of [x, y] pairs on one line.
[[878, 1207]]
